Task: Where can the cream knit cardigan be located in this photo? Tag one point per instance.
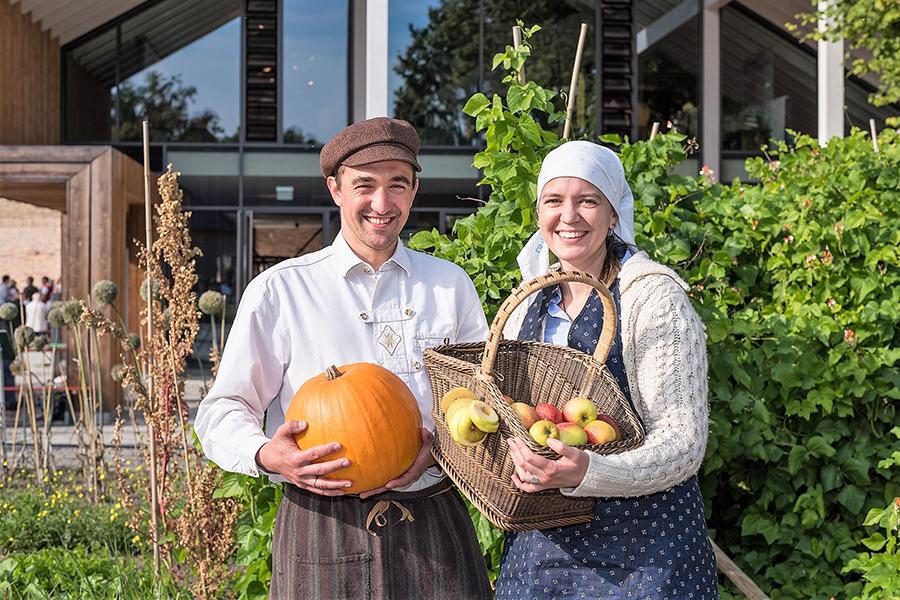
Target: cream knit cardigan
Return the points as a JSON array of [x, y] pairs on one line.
[[664, 349]]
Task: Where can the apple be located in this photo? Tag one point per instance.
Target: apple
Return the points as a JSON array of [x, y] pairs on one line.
[[572, 434], [548, 412], [526, 414], [455, 394], [601, 432], [458, 404], [463, 430], [542, 430], [612, 423], [579, 410], [507, 399], [484, 417]]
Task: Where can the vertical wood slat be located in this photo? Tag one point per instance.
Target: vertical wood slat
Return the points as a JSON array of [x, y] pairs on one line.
[[29, 78]]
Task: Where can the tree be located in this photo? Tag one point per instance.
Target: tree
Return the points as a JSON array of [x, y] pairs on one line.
[[165, 102], [870, 26], [440, 67]]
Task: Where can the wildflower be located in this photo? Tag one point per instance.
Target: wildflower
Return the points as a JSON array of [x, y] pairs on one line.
[[105, 292], [755, 224], [8, 311], [839, 228], [24, 336], [786, 226], [807, 202], [831, 303], [810, 260], [211, 302], [774, 164], [72, 311], [789, 239], [154, 285], [136, 539], [707, 173], [117, 372], [849, 336], [827, 257], [134, 340]]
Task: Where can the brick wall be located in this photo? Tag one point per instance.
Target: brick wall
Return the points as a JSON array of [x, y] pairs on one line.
[[30, 241]]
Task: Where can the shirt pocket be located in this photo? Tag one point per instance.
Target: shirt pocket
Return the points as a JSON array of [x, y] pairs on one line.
[[422, 340]]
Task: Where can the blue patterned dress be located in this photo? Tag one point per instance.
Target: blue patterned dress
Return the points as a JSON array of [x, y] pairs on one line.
[[653, 546]]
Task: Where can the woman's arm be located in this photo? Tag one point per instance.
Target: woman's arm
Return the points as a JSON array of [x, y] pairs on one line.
[[668, 378]]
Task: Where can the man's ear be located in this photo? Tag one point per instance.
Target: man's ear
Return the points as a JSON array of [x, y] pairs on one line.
[[332, 184]]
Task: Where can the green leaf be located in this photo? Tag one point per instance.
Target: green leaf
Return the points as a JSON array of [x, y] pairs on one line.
[[852, 498], [875, 542], [476, 104], [819, 446]]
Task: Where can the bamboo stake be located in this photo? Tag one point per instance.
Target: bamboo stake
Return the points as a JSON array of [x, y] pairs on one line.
[[737, 577], [154, 532], [654, 130], [517, 43], [575, 68], [874, 135]]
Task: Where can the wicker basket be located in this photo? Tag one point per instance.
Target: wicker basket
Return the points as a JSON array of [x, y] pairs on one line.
[[530, 372]]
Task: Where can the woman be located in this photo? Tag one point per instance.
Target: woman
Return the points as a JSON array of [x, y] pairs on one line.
[[648, 537]]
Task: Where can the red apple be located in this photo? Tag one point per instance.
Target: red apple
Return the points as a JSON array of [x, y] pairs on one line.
[[572, 434], [542, 430], [601, 432], [612, 423], [579, 410], [526, 414], [549, 412]]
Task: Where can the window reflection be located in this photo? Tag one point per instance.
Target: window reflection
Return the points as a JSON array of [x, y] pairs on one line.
[[314, 68], [667, 86], [768, 83], [181, 74]]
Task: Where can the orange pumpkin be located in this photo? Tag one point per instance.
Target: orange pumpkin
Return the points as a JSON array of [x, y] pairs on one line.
[[373, 415]]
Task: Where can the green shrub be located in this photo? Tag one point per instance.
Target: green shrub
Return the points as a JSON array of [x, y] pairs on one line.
[[64, 574], [32, 519]]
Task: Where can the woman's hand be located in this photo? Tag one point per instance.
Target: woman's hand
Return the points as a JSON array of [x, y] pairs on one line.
[[535, 473]]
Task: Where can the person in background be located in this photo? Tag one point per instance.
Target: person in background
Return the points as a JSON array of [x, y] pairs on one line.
[[12, 293], [648, 538], [36, 314], [4, 288], [364, 298], [30, 289]]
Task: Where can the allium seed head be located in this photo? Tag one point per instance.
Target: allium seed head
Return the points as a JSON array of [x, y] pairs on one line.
[[154, 284], [211, 302], [105, 292], [72, 311], [23, 335], [8, 311], [56, 316], [117, 372]]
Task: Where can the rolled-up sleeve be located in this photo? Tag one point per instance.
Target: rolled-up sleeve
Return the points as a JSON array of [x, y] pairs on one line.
[[229, 421]]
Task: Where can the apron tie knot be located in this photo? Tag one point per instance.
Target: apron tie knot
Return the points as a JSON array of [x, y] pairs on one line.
[[379, 511]]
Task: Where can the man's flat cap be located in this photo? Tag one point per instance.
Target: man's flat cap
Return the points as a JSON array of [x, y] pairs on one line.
[[370, 141]]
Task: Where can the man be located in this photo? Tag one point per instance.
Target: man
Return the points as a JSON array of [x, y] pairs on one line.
[[29, 290], [4, 288], [364, 298]]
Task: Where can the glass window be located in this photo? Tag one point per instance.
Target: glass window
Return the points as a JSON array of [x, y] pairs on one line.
[[284, 179], [180, 69], [552, 53], [90, 80], [433, 47], [859, 111], [768, 83], [208, 177], [215, 233], [314, 70], [667, 82]]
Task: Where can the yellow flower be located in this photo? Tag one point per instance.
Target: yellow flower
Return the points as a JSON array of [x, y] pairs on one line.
[[136, 539]]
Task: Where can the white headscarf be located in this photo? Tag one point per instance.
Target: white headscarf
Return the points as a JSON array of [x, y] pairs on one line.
[[597, 165]]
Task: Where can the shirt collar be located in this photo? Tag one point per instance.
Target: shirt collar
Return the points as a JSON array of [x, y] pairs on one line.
[[346, 259]]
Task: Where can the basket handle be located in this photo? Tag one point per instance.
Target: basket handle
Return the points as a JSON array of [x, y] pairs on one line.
[[607, 334]]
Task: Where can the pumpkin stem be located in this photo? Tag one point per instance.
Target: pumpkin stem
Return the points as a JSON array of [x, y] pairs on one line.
[[332, 373]]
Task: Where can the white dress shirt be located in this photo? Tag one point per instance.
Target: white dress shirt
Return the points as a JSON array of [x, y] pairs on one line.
[[331, 308]]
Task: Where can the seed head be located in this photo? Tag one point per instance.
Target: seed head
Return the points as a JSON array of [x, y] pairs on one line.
[[105, 292], [211, 302], [72, 311], [8, 311], [154, 285], [56, 316], [24, 336]]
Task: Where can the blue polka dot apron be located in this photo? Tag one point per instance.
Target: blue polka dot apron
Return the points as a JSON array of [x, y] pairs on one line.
[[653, 546]]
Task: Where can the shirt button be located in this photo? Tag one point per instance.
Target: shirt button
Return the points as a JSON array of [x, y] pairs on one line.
[[363, 316], [417, 365], [254, 472], [409, 312], [367, 270]]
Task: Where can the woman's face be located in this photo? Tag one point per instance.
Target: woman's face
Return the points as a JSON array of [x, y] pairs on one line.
[[574, 218]]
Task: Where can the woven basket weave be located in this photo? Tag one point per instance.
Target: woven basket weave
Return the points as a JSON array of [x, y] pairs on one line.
[[530, 372]]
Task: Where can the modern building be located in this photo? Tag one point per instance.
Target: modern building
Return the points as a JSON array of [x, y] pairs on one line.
[[240, 95]]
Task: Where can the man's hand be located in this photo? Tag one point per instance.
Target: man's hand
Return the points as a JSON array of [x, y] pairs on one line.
[[535, 473], [422, 462], [282, 456]]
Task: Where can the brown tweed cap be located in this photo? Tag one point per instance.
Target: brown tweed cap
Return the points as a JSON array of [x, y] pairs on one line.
[[370, 141]]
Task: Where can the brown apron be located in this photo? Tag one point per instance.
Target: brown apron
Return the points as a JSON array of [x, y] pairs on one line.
[[395, 546]]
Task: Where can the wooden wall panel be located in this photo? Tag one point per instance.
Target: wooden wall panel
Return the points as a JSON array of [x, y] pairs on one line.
[[29, 80]]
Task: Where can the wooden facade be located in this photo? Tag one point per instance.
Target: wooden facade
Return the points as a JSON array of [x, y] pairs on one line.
[[100, 191], [29, 80]]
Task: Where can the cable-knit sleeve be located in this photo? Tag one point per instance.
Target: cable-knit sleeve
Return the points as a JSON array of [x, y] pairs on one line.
[[667, 373]]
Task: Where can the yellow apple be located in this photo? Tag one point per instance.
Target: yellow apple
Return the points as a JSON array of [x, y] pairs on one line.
[[458, 404], [601, 432], [455, 394], [542, 430], [463, 430], [579, 410], [572, 434], [484, 417], [526, 414]]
